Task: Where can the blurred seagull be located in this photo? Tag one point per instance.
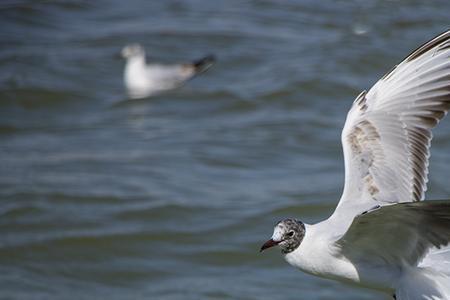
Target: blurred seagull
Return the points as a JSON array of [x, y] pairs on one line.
[[381, 235], [142, 80]]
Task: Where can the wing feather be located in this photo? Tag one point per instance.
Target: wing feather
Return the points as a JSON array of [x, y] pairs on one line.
[[399, 233], [387, 134]]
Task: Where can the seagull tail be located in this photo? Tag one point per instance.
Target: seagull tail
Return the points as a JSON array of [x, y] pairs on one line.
[[423, 284], [203, 64]]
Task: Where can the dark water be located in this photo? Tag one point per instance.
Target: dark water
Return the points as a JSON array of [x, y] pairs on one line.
[[102, 197]]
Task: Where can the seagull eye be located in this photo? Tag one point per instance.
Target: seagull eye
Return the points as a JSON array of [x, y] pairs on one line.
[[290, 233]]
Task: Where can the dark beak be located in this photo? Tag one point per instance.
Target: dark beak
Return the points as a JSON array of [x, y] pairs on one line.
[[268, 244]]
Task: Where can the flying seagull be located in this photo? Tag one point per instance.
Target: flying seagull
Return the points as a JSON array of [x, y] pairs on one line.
[[382, 235], [142, 79]]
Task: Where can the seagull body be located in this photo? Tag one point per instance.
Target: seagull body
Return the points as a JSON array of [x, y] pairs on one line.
[[142, 79], [382, 235]]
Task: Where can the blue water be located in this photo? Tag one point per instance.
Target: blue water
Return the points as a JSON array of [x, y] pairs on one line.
[[170, 197]]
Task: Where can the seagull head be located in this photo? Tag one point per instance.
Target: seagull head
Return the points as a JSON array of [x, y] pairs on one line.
[[287, 234], [133, 50]]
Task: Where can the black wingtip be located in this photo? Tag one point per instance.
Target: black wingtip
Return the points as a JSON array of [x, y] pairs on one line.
[[204, 63]]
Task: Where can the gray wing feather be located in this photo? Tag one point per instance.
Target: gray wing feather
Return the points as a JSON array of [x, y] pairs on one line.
[[399, 233]]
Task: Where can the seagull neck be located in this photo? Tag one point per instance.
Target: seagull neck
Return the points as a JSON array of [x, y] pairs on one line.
[[136, 61], [317, 255]]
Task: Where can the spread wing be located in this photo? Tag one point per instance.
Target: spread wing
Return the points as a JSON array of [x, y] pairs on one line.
[[387, 134], [399, 233]]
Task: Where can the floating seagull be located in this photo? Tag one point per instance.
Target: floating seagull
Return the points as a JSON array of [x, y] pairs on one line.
[[381, 235], [142, 80]]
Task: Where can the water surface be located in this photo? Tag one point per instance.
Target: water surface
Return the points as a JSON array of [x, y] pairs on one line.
[[170, 197]]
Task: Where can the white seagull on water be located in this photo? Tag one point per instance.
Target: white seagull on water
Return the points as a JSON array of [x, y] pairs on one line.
[[142, 79], [382, 235]]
